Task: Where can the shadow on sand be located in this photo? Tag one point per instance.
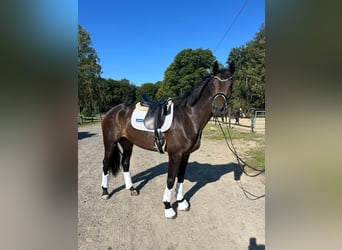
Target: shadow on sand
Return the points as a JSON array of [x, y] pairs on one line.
[[200, 173], [82, 135]]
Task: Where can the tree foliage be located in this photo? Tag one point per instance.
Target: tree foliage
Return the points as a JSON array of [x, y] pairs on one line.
[[89, 70], [116, 92], [150, 89], [187, 70], [249, 77]]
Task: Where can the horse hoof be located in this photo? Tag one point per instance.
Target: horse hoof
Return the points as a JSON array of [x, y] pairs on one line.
[[134, 192], [186, 209], [183, 205], [105, 197], [173, 217], [170, 213]]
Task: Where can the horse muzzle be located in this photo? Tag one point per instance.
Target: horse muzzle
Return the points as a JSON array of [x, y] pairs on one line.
[[219, 104]]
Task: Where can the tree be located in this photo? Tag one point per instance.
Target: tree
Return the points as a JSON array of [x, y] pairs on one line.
[[186, 71], [147, 88], [116, 92], [249, 77], [89, 70], [128, 91]]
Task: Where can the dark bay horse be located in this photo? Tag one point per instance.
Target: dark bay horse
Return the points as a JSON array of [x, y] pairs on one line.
[[192, 111]]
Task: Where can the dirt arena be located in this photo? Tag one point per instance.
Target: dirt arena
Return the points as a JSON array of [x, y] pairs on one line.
[[221, 217]]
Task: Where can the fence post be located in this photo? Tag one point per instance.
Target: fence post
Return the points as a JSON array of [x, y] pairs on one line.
[[253, 121], [229, 114]]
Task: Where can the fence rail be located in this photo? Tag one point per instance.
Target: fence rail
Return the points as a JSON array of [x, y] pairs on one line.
[[256, 123], [85, 119]]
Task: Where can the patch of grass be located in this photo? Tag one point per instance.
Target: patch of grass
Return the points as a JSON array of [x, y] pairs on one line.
[[214, 132], [254, 157]]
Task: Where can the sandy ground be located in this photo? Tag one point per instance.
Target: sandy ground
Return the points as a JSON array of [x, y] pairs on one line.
[[221, 217]]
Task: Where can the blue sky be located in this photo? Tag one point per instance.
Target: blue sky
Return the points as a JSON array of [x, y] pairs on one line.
[[138, 40]]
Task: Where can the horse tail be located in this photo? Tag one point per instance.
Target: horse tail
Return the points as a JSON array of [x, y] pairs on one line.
[[114, 162]]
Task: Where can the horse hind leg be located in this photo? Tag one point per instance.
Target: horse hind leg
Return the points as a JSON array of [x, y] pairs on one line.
[[126, 157], [111, 163], [104, 184]]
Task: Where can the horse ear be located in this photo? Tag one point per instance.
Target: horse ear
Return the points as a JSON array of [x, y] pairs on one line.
[[215, 68], [232, 67]]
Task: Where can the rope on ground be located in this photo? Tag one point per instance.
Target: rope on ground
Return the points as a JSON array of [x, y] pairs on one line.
[[242, 164]]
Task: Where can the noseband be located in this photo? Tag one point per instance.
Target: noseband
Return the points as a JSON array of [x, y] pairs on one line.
[[221, 94]]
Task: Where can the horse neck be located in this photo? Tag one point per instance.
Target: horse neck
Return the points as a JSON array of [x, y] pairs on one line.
[[201, 112]]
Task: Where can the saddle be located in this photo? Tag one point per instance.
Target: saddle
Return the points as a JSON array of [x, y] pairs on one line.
[[155, 118]]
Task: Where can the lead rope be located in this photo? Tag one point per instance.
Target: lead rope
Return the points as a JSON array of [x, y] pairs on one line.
[[242, 164]]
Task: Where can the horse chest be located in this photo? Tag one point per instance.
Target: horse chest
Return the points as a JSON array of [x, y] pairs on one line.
[[197, 143]]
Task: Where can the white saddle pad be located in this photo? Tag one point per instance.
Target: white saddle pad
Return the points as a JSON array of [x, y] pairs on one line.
[[137, 120]]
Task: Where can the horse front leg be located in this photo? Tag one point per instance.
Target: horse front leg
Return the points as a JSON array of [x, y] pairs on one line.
[[174, 163], [183, 204]]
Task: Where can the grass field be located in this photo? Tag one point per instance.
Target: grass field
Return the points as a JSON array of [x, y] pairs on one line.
[[254, 156]]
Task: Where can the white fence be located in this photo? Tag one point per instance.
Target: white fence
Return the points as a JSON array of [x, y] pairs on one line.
[[255, 124], [258, 121]]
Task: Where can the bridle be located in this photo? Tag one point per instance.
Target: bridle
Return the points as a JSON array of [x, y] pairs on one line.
[[221, 94], [225, 80]]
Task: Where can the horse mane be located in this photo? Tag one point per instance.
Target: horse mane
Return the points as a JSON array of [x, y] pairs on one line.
[[191, 96]]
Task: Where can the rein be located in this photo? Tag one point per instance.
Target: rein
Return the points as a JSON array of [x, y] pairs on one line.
[[242, 164]]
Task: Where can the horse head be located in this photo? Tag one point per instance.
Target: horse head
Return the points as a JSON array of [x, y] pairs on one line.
[[221, 86]]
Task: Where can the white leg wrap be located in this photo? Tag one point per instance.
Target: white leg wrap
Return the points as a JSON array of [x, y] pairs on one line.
[[170, 213], [179, 191], [104, 180], [167, 195], [128, 180], [183, 206]]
